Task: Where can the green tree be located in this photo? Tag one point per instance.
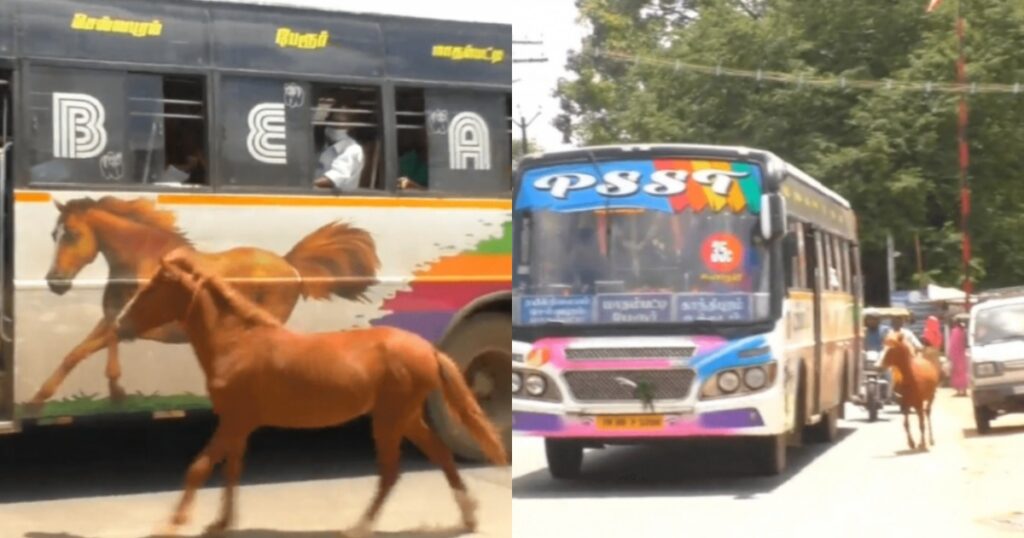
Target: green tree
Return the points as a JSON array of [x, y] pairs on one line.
[[893, 154]]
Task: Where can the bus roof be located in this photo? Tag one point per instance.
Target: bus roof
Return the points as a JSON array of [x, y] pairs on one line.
[[263, 36], [450, 10]]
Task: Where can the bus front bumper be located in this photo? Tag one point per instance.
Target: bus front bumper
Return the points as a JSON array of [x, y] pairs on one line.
[[756, 414]]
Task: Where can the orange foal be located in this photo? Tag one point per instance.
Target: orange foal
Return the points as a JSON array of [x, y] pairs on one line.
[[258, 373], [917, 379]]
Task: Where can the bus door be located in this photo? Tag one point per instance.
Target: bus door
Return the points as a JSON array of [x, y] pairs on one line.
[[6, 323], [820, 277]]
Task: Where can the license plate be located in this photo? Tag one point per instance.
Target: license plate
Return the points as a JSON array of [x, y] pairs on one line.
[[630, 422], [1018, 390]]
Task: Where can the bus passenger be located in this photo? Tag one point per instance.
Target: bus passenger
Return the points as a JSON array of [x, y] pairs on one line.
[[341, 161]]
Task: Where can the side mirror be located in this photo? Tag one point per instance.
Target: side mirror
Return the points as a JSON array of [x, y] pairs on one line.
[[773, 216]]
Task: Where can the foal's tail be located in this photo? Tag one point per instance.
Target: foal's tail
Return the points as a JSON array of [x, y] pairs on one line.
[[462, 404]]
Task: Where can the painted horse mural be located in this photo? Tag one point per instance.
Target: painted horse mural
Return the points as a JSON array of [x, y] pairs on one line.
[[337, 259]]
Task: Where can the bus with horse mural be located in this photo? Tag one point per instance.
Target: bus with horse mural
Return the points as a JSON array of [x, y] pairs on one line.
[[201, 125], [680, 291]]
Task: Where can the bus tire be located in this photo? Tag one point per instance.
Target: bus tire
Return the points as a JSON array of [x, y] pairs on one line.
[[769, 456], [827, 429], [565, 458], [481, 346]]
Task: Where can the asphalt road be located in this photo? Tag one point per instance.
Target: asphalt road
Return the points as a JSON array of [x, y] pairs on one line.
[[868, 484], [121, 481]]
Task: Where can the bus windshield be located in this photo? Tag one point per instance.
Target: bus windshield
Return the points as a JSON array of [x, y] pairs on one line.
[[653, 242]]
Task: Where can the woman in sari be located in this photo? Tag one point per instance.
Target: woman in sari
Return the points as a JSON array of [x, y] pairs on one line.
[[958, 356]]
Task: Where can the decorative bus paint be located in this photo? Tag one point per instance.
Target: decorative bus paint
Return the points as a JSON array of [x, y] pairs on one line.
[[85, 205], [650, 376]]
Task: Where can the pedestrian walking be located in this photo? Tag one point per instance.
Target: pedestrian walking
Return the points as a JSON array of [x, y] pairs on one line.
[[957, 351]]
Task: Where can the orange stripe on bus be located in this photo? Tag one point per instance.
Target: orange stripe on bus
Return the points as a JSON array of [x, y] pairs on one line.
[[229, 200], [32, 196], [470, 266]]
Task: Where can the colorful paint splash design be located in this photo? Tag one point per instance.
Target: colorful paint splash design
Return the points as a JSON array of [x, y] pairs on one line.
[[735, 194], [447, 285]]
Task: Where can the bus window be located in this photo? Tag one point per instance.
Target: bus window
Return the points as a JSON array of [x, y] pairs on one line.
[[413, 153], [343, 115], [266, 140], [804, 269], [467, 141], [166, 129], [6, 123], [810, 257], [508, 120]]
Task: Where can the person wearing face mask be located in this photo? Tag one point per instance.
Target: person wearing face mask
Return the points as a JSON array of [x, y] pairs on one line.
[[341, 162]]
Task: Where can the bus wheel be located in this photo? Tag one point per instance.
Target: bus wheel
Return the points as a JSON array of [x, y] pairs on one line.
[[827, 429], [769, 455], [565, 458], [481, 347]]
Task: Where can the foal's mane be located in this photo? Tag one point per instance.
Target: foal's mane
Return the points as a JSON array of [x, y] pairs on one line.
[[245, 308], [140, 211]]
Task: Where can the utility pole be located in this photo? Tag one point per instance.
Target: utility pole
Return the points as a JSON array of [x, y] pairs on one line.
[[917, 248], [890, 262], [523, 124]]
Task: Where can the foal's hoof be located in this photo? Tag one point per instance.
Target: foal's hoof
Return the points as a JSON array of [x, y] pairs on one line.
[[33, 408], [216, 528], [166, 529], [363, 529], [117, 394], [468, 506]]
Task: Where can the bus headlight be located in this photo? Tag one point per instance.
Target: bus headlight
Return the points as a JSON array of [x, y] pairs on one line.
[[517, 382], [755, 378], [739, 381], [535, 385], [728, 381]]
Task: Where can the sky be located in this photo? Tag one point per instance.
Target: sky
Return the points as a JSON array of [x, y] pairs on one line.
[[554, 22]]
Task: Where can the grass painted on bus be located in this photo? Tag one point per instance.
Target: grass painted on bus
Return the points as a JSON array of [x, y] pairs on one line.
[[93, 404]]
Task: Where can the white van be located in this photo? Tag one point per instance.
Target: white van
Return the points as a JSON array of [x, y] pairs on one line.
[[996, 349]]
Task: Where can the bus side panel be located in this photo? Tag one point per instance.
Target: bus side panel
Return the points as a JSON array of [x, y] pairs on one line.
[[430, 268], [800, 345], [838, 341]]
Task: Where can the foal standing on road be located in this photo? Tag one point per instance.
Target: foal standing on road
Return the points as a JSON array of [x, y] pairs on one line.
[[259, 373], [918, 380]]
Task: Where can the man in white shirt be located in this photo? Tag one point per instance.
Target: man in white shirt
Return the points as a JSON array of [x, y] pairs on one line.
[[908, 335], [341, 162]]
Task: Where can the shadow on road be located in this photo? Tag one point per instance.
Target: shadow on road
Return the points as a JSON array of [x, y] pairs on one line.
[[995, 431], [264, 533], [49, 463], [682, 469]]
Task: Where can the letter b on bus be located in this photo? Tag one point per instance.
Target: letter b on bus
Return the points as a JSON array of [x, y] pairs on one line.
[[78, 130]]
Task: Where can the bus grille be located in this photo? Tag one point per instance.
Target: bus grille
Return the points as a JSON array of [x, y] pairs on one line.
[[611, 385], [629, 353]]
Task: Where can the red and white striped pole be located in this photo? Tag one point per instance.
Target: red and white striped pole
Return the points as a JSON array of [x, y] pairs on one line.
[[965, 189], [963, 147]]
